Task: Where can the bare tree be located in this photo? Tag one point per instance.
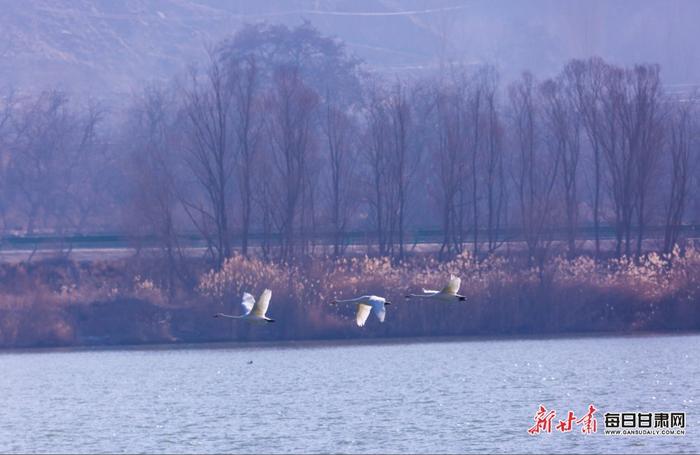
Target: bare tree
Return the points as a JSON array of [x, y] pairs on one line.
[[151, 130], [495, 170], [475, 102], [291, 105], [584, 81], [269, 204], [643, 128], [403, 158], [52, 147], [563, 134], [682, 128], [243, 76], [633, 134], [377, 157], [468, 140], [616, 154], [339, 130], [449, 156], [535, 172], [7, 105], [210, 149]]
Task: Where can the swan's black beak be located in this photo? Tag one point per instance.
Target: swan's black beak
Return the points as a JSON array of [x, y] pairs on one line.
[[387, 303], [215, 316]]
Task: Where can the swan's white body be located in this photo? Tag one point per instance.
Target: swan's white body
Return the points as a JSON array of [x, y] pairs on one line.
[[254, 311], [365, 305], [448, 294]]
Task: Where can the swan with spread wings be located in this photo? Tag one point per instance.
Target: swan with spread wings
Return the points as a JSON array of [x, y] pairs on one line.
[[448, 294], [255, 311], [365, 305]]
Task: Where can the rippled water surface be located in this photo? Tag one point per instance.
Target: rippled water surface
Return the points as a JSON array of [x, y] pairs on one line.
[[448, 396]]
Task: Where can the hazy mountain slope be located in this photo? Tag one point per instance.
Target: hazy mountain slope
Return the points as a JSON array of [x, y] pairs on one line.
[[109, 45]]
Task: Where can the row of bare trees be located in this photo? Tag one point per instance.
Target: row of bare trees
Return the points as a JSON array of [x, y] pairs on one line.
[[632, 128], [279, 137], [52, 163]]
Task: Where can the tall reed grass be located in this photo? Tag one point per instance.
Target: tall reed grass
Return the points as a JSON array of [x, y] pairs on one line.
[[47, 302]]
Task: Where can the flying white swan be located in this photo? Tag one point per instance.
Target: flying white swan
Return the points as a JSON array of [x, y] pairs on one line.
[[448, 293], [365, 304], [254, 311]]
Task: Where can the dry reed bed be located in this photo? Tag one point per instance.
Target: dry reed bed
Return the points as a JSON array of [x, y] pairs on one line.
[[657, 292]]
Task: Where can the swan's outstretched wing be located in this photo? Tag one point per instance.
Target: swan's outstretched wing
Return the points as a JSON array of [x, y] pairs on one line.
[[379, 310], [378, 306], [355, 300], [453, 286], [362, 314], [248, 302], [429, 291], [260, 307]]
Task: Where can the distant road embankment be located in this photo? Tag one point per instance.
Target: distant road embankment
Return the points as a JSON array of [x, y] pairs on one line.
[[14, 248]]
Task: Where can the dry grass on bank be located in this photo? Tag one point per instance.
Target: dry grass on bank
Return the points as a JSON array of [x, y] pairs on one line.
[[47, 302]]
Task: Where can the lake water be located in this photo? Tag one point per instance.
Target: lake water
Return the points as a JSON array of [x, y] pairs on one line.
[[438, 396]]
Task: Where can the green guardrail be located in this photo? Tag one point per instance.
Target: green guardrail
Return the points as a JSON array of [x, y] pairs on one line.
[[421, 236]]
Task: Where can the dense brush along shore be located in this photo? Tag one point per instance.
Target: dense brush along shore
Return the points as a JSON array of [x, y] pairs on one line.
[[66, 303]]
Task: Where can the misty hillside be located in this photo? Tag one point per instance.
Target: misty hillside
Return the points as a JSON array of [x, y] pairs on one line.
[[109, 46]]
